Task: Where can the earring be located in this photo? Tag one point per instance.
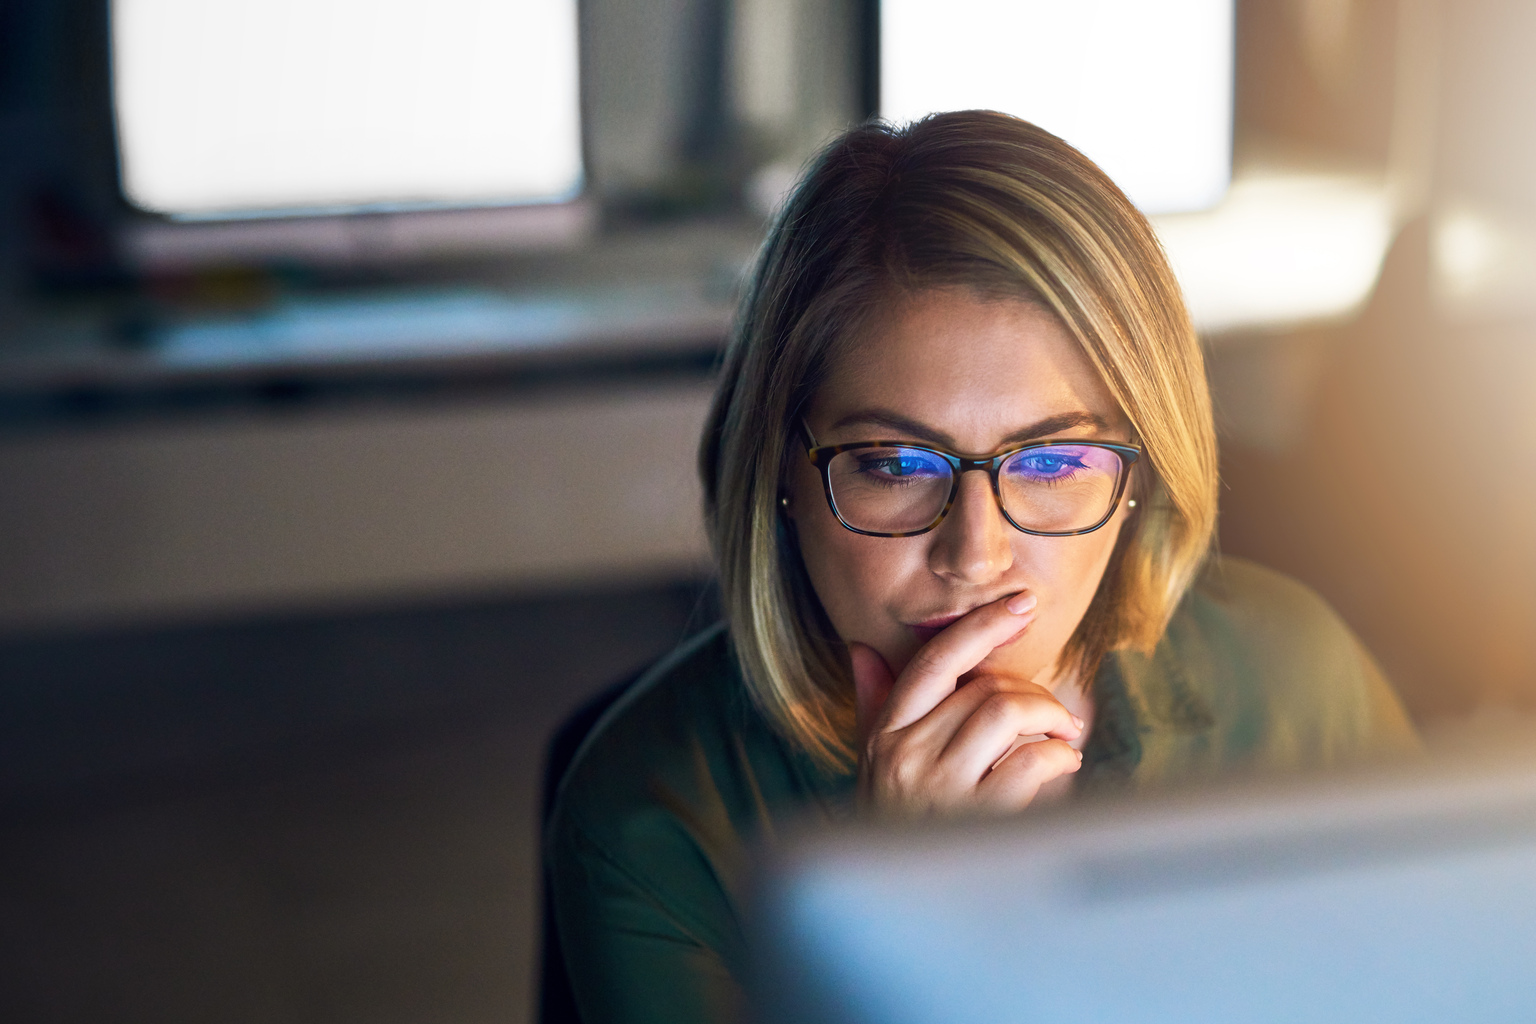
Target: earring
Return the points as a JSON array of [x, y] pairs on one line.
[[784, 501], [1131, 503]]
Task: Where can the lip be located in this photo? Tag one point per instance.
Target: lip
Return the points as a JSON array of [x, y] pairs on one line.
[[939, 622], [930, 628]]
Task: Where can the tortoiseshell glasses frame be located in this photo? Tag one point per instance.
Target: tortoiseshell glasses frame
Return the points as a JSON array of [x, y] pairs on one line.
[[821, 457]]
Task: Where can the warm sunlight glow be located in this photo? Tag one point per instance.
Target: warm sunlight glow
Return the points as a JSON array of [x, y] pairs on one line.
[[1282, 249]]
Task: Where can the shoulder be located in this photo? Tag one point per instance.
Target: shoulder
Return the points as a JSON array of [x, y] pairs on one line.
[[686, 733], [1246, 617], [1256, 668], [684, 698], [670, 788]]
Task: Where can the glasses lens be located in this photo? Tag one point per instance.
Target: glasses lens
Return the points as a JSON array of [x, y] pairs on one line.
[[889, 490], [1059, 488]]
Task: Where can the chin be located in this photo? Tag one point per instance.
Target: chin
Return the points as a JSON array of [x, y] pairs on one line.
[[900, 650], [1019, 662]]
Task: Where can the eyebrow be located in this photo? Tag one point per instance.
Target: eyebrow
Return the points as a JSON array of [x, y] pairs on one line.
[[912, 428]]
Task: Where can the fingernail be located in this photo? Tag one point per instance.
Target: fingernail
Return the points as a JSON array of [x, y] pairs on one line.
[[1079, 757], [1077, 721], [1021, 603]]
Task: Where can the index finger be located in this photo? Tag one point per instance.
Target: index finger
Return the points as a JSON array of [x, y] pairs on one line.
[[933, 671]]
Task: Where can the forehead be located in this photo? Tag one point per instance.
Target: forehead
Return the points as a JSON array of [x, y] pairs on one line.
[[976, 368]]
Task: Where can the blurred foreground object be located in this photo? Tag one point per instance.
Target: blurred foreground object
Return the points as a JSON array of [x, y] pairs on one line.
[[1404, 895]]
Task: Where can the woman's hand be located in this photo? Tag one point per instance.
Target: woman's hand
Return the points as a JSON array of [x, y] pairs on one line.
[[930, 743]]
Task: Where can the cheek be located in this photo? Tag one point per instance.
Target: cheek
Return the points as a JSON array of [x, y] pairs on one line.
[[854, 576], [1065, 573], [1070, 568]]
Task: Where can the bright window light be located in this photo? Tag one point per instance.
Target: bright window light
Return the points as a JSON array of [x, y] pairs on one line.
[[1283, 249], [1484, 260], [230, 108], [1143, 87]]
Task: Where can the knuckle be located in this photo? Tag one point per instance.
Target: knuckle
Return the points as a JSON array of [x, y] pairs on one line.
[[1012, 707], [998, 709], [1050, 754], [881, 777], [1027, 756], [988, 685], [927, 661], [892, 767], [906, 775]]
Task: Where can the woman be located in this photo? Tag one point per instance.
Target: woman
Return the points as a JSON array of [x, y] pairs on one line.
[[960, 477]]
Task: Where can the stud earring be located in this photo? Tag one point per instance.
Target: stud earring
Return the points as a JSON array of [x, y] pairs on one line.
[[1131, 503], [784, 501]]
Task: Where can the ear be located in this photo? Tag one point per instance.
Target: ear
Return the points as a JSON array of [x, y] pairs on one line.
[[872, 682]]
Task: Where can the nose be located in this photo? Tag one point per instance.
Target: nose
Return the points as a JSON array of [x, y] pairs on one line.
[[974, 542]]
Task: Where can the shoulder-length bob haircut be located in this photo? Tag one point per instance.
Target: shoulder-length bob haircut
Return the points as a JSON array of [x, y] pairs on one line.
[[975, 199]]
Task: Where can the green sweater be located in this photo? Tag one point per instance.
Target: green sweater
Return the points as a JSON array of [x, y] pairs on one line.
[[648, 845]]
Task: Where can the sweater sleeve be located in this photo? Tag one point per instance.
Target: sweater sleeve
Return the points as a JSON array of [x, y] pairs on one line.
[[632, 958]]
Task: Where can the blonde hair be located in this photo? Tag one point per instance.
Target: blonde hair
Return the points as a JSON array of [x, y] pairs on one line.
[[994, 203]]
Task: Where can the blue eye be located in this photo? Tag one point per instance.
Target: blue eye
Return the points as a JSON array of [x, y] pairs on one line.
[[903, 467], [1046, 464], [908, 466]]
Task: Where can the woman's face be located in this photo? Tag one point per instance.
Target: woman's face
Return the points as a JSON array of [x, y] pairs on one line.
[[950, 369]]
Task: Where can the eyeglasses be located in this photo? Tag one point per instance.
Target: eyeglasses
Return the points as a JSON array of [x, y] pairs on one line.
[[1048, 488]]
